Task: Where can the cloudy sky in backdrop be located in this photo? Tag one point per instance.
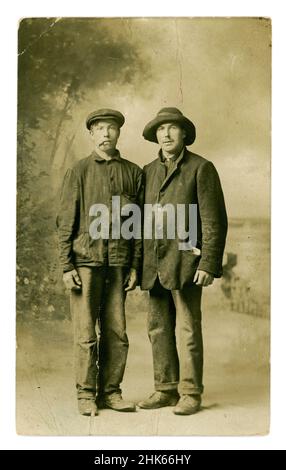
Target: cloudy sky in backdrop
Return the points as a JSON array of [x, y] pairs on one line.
[[218, 72]]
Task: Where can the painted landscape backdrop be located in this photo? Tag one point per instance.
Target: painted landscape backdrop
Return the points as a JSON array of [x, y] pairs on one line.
[[218, 72]]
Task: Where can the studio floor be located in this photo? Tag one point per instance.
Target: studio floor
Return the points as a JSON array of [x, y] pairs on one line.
[[236, 379]]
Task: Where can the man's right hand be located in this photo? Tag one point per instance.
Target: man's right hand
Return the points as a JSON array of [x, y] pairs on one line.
[[72, 280]]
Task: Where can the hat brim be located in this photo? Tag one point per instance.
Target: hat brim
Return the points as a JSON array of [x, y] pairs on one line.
[[149, 132]]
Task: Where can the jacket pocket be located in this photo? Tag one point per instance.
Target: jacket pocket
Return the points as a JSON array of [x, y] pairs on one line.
[[81, 245], [126, 199]]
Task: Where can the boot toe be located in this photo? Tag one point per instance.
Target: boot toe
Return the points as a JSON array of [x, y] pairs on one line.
[[187, 405], [159, 400], [87, 407], [115, 402]]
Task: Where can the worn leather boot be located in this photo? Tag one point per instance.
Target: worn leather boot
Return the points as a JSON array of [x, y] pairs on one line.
[[115, 401], [87, 407], [188, 405], [160, 399]]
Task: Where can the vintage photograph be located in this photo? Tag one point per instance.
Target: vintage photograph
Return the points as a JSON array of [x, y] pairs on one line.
[[143, 226]]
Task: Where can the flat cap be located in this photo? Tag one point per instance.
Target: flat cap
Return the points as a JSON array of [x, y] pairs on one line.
[[105, 113]]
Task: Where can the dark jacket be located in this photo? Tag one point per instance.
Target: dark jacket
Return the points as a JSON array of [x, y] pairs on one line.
[[94, 180], [192, 180]]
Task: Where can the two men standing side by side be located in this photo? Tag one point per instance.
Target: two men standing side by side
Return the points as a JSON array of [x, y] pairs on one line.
[[99, 272]]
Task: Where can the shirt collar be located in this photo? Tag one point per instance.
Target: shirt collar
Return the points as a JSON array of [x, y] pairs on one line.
[[98, 158], [174, 158]]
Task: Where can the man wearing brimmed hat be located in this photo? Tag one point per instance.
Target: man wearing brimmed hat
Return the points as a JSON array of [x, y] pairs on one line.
[[99, 271], [175, 269]]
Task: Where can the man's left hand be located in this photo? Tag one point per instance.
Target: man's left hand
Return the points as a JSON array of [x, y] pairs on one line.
[[202, 278], [131, 280]]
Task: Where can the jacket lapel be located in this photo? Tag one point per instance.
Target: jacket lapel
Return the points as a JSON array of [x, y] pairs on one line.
[[174, 169]]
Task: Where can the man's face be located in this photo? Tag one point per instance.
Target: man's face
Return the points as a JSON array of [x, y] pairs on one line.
[[170, 137], [105, 135]]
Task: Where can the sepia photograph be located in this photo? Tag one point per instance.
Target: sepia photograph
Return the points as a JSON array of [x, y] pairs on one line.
[[143, 226]]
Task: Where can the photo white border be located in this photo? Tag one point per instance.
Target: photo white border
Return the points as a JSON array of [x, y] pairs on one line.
[[11, 13]]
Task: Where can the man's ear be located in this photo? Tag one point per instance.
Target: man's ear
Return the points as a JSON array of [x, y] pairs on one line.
[[118, 130], [184, 134]]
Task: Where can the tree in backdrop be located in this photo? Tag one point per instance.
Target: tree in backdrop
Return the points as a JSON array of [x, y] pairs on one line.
[[59, 61]]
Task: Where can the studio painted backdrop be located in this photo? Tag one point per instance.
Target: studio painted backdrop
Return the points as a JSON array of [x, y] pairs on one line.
[[218, 72]]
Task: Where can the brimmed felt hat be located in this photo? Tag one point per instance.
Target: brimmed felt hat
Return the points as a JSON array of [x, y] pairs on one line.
[[105, 113], [170, 115]]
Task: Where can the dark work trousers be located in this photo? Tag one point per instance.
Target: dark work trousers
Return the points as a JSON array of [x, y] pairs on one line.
[[99, 365], [174, 328]]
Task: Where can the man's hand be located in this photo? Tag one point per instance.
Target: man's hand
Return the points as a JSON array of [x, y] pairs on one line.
[[72, 280], [202, 278], [131, 280]]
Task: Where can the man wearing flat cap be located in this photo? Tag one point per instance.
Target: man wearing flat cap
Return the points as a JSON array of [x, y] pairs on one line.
[[99, 271], [175, 269]]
